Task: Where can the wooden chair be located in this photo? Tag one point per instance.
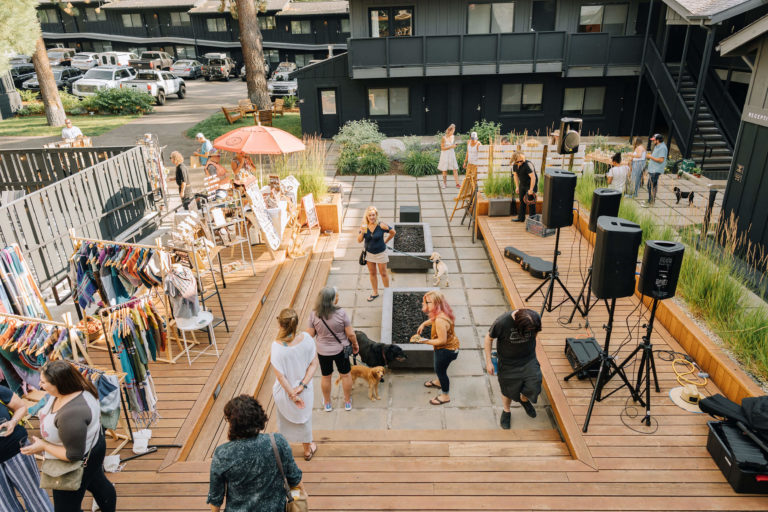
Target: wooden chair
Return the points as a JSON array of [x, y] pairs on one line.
[[232, 114], [246, 107], [278, 106], [264, 117]]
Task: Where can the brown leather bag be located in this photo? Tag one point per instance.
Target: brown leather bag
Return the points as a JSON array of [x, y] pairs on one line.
[[296, 497]]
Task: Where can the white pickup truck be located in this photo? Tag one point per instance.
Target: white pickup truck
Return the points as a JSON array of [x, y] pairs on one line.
[[159, 84]]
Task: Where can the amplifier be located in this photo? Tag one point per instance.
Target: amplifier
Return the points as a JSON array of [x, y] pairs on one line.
[[580, 352]]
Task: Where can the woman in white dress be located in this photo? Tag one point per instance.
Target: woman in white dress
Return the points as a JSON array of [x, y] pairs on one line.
[[294, 361], [448, 156]]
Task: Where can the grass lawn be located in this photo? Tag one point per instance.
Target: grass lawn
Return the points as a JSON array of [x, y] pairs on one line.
[[217, 124], [36, 125]]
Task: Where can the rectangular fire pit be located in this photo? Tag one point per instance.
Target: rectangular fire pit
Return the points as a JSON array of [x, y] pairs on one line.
[[415, 239], [401, 316]]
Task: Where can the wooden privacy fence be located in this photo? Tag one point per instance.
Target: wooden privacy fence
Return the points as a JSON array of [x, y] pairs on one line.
[[33, 169], [100, 202], [498, 157]]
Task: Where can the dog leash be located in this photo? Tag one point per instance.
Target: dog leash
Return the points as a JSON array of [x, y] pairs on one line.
[[409, 254]]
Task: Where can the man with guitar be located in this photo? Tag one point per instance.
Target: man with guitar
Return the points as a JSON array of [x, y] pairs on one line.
[[526, 184]]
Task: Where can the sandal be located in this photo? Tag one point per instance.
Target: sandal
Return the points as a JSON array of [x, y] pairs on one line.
[[372, 298], [311, 454], [431, 384], [437, 401]]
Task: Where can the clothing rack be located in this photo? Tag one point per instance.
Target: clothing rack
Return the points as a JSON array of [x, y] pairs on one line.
[[31, 281], [74, 341]]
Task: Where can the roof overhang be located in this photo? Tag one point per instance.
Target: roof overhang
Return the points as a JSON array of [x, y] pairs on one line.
[[742, 42], [713, 18]]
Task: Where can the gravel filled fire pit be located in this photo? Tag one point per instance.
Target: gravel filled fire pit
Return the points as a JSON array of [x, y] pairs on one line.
[[414, 239], [401, 316]]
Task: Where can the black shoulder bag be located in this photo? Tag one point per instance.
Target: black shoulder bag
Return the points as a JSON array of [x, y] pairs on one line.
[[346, 348], [363, 261]]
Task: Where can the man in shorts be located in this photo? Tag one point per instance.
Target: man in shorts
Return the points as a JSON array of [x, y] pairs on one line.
[[519, 372]]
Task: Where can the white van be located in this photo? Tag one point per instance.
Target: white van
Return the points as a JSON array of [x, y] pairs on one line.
[[116, 58]]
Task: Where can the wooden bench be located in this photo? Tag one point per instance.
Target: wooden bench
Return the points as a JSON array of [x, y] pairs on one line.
[[278, 106]]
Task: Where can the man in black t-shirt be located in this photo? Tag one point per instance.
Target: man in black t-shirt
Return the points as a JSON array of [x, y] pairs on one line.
[[182, 180], [526, 182], [519, 372]]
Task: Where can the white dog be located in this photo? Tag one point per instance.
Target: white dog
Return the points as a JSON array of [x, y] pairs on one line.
[[440, 268]]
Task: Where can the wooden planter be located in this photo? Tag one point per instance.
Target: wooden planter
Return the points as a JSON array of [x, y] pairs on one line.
[[724, 372], [483, 205], [329, 214]]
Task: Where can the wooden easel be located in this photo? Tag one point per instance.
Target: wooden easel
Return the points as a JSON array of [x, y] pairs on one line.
[[466, 192]]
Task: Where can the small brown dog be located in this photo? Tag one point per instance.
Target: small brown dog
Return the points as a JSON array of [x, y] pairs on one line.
[[372, 375]]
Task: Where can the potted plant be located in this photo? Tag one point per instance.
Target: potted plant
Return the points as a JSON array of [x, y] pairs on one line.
[[696, 172], [499, 189], [679, 174]]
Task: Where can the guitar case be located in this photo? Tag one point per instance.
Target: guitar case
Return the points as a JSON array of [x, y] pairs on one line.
[[537, 267]]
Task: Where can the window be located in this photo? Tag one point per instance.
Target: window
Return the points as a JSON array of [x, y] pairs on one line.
[[543, 15], [583, 100], [328, 102], [272, 55], [391, 21], [345, 26], [266, 22], [491, 18], [132, 20], [611, 18], [302, 59], [391, 101], [301, 27], [185, 52], [92, 15], [48, 16], [521, 97], [216, 24], [179, 19]]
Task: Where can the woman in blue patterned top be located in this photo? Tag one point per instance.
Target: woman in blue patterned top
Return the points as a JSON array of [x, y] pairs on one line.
[[244, 469]]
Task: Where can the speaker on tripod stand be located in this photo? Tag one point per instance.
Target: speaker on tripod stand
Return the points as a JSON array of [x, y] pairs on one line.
[[613, 277], [605, 202], [658, 279]]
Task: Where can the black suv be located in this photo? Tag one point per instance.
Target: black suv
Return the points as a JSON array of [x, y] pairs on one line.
[[21, 73], [64, 76]]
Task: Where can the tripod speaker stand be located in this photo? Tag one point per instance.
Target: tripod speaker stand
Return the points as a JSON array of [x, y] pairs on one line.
[[552, 278]]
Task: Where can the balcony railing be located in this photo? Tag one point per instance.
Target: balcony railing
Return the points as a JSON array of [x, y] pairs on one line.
[[597, 54]]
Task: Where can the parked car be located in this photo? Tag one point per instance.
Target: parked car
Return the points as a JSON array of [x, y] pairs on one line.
[[266, 70], [19, 59], [85, 61], [219, 67], [152, 60], [159, 84], [281, 87], [187, 69], [284, 70], [102, 77], [21, 73], [64, 77], [116, 58], [61, 56]]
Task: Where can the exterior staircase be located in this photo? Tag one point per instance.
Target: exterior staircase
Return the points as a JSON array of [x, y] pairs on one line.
[[710, 144]]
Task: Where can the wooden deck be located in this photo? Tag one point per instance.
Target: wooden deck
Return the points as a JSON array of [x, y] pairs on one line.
[[609, 468]]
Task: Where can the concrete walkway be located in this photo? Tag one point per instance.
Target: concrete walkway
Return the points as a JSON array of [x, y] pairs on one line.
[[474, 294]]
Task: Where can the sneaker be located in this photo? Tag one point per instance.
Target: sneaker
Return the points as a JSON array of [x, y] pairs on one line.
[[328, 407], [506, 420], [529, 410], [348, 406]]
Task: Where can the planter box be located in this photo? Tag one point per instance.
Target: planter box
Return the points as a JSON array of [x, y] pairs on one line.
[[499, 207], [420, 356], [329, 214], [414, 260], [483, 205]]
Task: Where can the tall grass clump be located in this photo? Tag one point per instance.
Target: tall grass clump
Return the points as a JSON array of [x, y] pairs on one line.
[[585, 186], [420, 163], [372, 160], [307, 166], [498, 185]]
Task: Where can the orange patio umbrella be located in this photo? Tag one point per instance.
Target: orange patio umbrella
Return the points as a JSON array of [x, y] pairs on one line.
[[259, 140]]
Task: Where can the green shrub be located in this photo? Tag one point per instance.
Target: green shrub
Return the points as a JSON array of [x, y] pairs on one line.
[[33, 108], [355, 134], [123, 101], [290, 101], [486, 130], [421, 163], [27, 95], [348, 162], [498, 185], [372, 160]]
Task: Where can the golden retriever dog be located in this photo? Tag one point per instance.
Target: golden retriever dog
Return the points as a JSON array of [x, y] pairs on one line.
[[372, 375]]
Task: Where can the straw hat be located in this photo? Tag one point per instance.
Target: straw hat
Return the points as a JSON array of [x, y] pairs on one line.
[[686, 397]]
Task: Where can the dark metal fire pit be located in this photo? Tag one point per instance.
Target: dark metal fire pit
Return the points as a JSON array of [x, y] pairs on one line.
[[401, 316], [415, 240]]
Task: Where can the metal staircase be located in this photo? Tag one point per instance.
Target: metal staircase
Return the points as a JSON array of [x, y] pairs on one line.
[[710, 149]]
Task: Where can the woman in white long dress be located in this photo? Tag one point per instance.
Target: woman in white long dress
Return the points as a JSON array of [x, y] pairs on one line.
[[448, 156], [294, 361]]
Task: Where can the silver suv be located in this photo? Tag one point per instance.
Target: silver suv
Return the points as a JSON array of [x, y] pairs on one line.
[[102, 77]]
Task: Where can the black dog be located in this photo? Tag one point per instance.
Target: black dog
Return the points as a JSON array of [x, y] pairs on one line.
[[373, 353], [679, 194]]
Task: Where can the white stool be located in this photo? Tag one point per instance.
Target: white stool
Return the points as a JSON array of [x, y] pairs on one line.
[[202, 320]]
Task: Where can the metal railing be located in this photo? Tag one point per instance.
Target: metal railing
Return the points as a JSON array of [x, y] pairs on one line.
[[100, 202]]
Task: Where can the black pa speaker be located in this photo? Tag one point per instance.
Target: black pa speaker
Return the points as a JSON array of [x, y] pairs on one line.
[[661, 268], [557, 206], [570, 136], [605, 201], [615, 260]]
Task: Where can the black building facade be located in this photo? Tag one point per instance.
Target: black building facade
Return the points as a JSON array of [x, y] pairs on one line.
[[189, 28]]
